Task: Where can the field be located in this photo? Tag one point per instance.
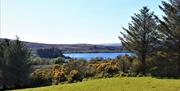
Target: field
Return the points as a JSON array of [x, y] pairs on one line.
[[116, 84]]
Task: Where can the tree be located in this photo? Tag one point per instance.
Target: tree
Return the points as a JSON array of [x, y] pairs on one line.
[[15, 61], [3, 47], [141, 36], [50, 53], [170, 28]]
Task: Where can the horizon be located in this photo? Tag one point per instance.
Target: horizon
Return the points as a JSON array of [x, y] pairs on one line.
[[69, 22], [64, 43]]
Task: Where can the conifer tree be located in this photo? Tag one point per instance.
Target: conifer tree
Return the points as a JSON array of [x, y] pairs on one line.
[[170, 28], [15, 64], [141, 36]]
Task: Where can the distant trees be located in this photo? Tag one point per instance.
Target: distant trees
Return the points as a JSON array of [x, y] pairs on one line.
[[15, 64], [141, 35], [50, 53]]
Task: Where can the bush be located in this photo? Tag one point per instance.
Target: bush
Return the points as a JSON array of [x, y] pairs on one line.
[[74, 76], [135, 67], [59, 60], [90, 72], [58, 74], [124, 63], [41, 77], [80, 65], [162, 64], [37, 61], [106, 69]]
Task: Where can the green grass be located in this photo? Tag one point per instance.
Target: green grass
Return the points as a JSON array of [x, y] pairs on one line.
[[116, 84]]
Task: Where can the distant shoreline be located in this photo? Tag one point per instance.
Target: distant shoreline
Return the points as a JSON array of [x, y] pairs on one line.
[[97, 52]]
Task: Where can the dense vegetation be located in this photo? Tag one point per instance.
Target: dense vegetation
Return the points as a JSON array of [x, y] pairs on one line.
[[50, 53], [149, 37], [116, 84], [155, 42], [14, 65]]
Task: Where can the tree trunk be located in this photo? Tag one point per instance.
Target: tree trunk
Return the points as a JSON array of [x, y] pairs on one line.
[[178, 61], [143, 64]]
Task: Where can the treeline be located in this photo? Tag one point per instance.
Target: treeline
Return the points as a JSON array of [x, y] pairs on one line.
[[49, 53]]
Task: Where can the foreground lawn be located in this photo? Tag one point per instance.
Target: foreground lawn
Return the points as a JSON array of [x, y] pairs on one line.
[[116, 84]]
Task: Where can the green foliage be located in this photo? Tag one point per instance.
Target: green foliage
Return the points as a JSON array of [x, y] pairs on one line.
[[141, 35], [59, 60], [170, 29], [41, 77], [136, 67], [79, 65], [37, 61], [15, 64], [156, 46], [124, 63], [74, 76], [50, 53], [162, 64]]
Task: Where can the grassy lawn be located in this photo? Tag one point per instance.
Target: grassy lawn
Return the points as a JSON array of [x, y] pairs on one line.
[[116, 84]]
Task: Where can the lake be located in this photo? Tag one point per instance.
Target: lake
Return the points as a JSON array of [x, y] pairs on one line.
[[88, 56]]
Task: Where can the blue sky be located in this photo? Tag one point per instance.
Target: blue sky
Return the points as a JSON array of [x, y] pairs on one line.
[[69, 21]]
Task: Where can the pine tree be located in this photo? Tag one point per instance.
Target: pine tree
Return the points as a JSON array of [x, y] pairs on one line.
[[141, 36], [15, 64], [4, 44], [170, 28]]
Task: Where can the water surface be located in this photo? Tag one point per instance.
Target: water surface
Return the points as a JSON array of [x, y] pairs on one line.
[[93, 55]]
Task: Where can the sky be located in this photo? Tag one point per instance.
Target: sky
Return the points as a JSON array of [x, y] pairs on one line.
[[69, 21]]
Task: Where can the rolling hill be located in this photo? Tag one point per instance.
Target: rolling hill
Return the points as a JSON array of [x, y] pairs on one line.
[[115, 84], [69, 48]]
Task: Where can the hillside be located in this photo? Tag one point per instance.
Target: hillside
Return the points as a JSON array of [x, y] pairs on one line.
[[76, 47], [116, 84]]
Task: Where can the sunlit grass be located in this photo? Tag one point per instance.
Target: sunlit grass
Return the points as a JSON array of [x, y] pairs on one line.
[[116, 84]]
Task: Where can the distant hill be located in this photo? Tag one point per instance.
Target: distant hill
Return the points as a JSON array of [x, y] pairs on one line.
[[111, 44], [69, 48]]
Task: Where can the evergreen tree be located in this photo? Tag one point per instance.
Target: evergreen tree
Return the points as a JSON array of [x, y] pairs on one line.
[[15, 64], [3, 47], [170, 28], [141, 36]]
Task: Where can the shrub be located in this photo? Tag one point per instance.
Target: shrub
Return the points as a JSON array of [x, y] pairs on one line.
[[106, 69], [58, 74], [162, 64], [41, 77], [59, 60], [135, 67], [37, 61], [96, 60], [74, 76], [80, 65]]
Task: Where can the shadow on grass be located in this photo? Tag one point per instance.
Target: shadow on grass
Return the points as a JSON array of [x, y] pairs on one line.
[[163, 77]]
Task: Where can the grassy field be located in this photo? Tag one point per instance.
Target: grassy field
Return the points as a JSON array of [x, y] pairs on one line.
[[116, 84]]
